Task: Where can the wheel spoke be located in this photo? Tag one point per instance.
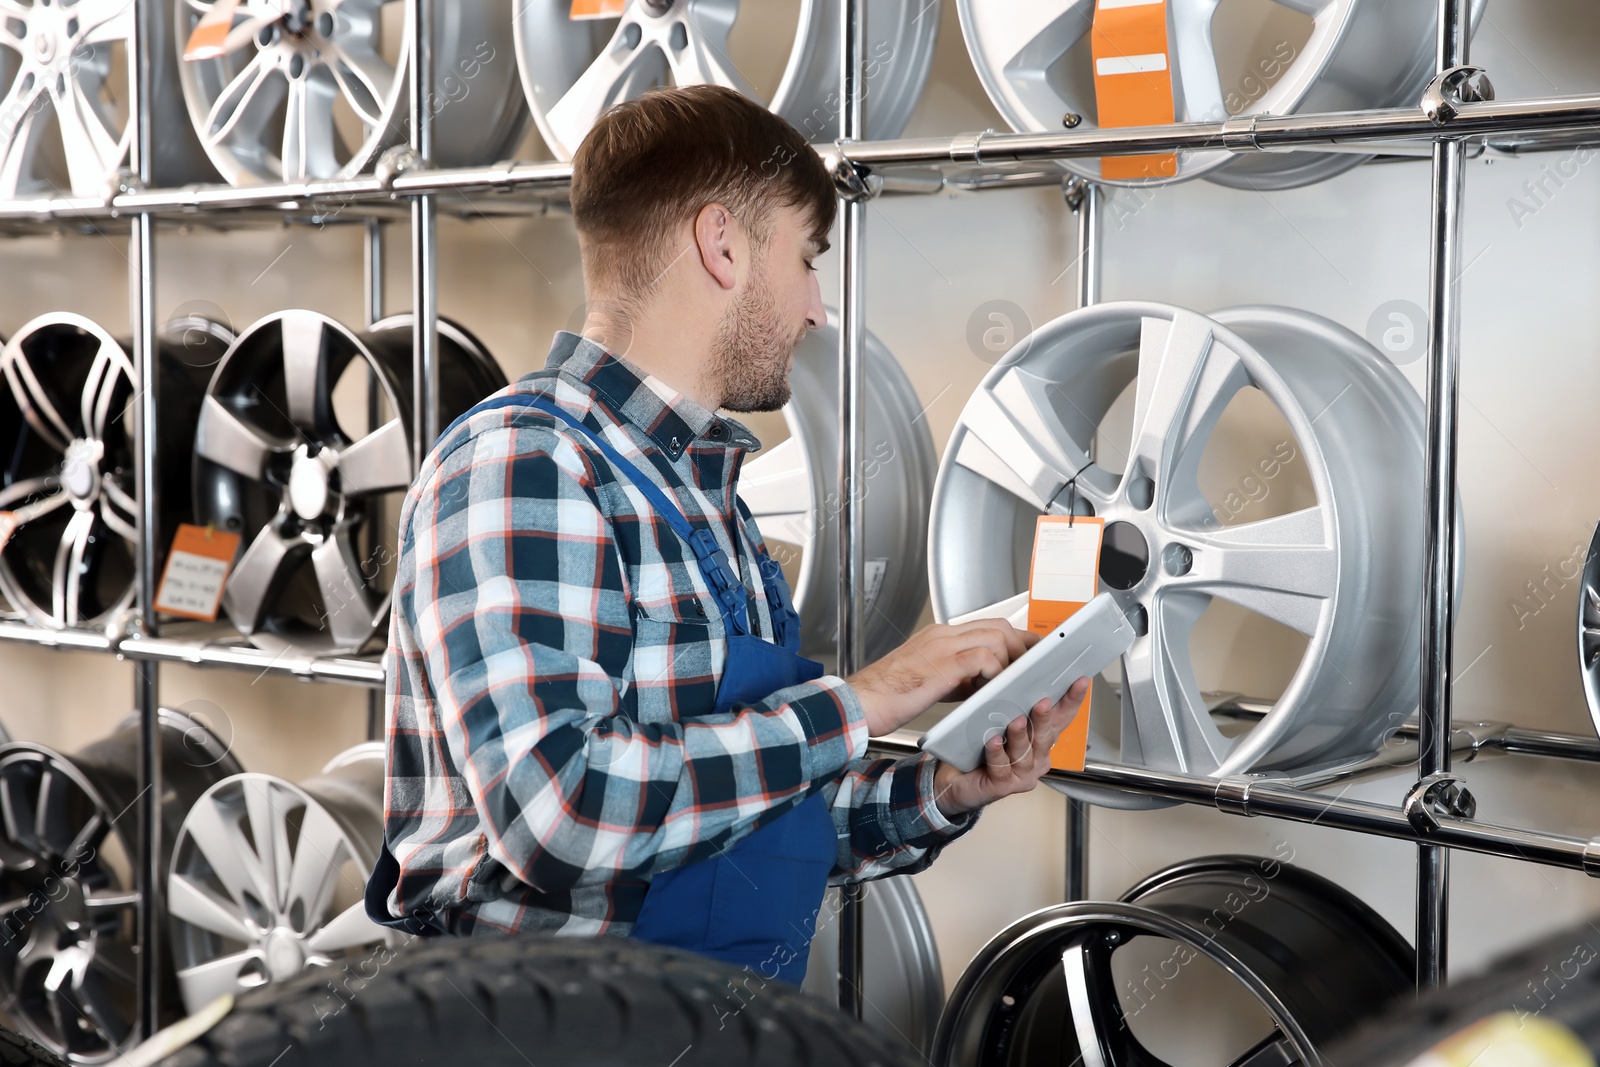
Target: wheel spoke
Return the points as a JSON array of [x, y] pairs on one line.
[[318, 854], [1011, 608], [308, 133], [247, 95], [100, 389], [88, 837], [1030, 39], [50, 818], [1185, 383], [17, 809], [349, 929], [37, 407], [1165, 725], [205, 982], [1195, 61], [93, 151], [271, 838], [1016, 439], [44, 486], [704, 58], [305, 372], [111, 900], [19, 134], [252, 581], [1104, 1039], [199, 906], [1285, 568], [1274, 1050], [124, 522], [228, 441], [365, 80], [776, 487], [104, 20], [378, 463], [236, 865], [612, 77], [347, 607], [67, 585]]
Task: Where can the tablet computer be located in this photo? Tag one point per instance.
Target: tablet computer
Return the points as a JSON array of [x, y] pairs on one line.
[[1081, 647]]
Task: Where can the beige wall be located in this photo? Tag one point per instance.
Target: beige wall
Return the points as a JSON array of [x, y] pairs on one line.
[[1341, 249]]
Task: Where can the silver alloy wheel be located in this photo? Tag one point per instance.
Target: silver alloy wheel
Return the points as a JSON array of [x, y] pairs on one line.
[[1344, 573], [67, 896], [1034, 60], [1264, 962], [64, 117], [267, 875], [903, 986], [321, 90], [274, 462], [792, 489], [67, 439], [572, 70], [1589, 629]]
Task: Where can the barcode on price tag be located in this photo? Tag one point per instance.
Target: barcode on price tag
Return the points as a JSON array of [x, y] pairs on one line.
[[197, 569]]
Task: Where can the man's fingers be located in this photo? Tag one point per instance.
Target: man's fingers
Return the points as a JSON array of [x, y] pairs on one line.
[[1018, 742]]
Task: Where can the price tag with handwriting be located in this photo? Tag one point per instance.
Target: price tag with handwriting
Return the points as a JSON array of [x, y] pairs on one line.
[[197, 569]]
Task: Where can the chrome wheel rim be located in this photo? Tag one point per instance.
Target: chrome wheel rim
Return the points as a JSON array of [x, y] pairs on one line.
[[792, 490], [903, 987], [1342, 573], [1310, 957], [274, 463], [1033, 58], [66, 880], [64, 124], [320, 91], [572, 70], [68, 463], [266, 877], [1589, 629]]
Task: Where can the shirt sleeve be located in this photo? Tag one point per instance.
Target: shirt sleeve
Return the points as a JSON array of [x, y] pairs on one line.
[[888, 818], [519, 596]]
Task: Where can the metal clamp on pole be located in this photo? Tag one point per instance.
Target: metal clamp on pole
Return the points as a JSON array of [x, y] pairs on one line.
[[1458, 85], [1233, 794], [968, 147], [853, 181], [1436, 797]]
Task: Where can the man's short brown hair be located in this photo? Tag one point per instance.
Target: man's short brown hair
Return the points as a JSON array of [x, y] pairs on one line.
[[649, 165]]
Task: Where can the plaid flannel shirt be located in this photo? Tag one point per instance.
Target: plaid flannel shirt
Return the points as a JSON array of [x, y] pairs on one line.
[[553, 661]]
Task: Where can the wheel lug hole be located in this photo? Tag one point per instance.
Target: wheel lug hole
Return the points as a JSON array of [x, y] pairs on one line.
[[297, 66], [679, 38], [1141, 493], [325, 24], [1177, 560], [1139, 619], [1124, 556], [267, 35], [72, 26]]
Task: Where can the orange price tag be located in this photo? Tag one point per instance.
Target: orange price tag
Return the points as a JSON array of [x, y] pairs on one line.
[[1065, 577], [596, 9], [1133, 79], [197, 569]]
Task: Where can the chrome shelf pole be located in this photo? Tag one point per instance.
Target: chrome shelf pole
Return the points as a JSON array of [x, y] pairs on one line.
[[1444, 357], [142, 314], [424, 241], [1084, 199], [852, 437], [372, 263]]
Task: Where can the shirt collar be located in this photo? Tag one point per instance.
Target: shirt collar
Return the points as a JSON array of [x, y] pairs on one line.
[[669, 418]]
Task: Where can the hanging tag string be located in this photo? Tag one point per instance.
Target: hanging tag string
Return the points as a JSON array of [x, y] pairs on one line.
[[1072, 495]]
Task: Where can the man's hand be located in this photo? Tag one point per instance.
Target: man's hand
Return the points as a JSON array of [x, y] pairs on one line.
[[1013, 762], [938, 663]]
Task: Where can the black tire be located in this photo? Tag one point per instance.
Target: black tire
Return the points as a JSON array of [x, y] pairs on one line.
[[1554, 983], [18, 1051], [554, 1002]]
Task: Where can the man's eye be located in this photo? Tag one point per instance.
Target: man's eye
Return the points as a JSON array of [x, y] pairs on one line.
[[810, 265]]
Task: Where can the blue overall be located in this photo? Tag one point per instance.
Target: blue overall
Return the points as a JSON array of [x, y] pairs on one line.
[[757, 903]]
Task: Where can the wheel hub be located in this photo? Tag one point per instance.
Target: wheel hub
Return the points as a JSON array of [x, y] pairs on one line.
[[310, 490], [285, 955], [80, 475]]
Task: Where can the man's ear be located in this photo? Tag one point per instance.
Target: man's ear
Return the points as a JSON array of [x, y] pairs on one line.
[[714, 237]]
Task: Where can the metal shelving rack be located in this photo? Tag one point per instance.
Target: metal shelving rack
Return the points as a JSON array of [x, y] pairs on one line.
[[1437, 814]]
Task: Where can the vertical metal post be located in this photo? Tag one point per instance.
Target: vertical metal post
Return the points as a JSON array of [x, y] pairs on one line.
[[1084, 199], [852, 437], [372, 262], [142, 314], [1444, 354], [424, 242]]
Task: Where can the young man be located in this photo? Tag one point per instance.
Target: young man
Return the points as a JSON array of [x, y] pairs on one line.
[[598, 720]]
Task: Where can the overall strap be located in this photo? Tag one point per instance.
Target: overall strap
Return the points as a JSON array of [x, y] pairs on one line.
[[714, 563], [785, 619]]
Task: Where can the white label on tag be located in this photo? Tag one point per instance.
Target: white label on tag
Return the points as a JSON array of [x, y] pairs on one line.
[[1063, 561], [193, 584], [875, 570]]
